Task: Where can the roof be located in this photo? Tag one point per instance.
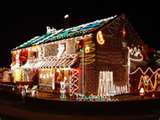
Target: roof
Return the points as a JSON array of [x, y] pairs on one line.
[[66, 33]]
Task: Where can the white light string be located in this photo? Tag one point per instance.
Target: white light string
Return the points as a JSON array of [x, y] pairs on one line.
[[148, 69], [74, 82]]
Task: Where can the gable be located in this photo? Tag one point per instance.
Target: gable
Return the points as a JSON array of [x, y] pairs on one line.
[[66, 33]]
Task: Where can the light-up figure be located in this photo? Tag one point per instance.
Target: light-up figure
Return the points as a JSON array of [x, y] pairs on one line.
[[157, 81], [62, 90], [50, 30], [146, 83], [61, 49], [135, 54]]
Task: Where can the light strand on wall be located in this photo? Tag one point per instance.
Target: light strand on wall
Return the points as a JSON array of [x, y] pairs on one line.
[[106, 86], [149, 68], [74, 82], [144, 73]]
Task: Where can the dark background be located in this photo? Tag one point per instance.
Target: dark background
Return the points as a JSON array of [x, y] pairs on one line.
[[20, 22]]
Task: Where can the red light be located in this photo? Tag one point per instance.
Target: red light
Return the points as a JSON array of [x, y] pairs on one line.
[[81, 44], [124, 32], [77, 70]]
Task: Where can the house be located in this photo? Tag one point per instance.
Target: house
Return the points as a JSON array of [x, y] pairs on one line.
[[89, 59]]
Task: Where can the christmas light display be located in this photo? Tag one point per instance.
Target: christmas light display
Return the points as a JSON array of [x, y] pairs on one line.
[[61, 49], [145, 80], [52, 61], [87, 55], [6, 76], [17, 64], [141, 92], [62, 90], [13, 53], [144, 72], [66, 16], [100, 38], [135, 54], [53, 79], [17, 75], [146, 83], [87, 49], [67, 33], [23, 56], [68, 61], [3, 69], [106, 86], [34, 90], [157, 81], [73, 87]]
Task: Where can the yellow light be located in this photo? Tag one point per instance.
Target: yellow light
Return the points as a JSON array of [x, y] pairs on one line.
[[87, 49], [58, 70], [65, 78], [44, 76], [40, 75], [47, 75], [17, 74], [50, 74], [100, 38]]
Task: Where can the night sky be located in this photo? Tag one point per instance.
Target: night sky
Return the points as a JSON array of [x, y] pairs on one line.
[[21, 23]]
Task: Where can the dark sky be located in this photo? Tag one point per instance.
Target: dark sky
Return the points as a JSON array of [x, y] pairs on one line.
[[21, 23]]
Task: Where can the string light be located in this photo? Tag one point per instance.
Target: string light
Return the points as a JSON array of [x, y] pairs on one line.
[[74, 81], [100, 39], [148, 69], [145, 72], [53, 80], [135, 55], [124, 32], [87, 49], [66, 16]]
